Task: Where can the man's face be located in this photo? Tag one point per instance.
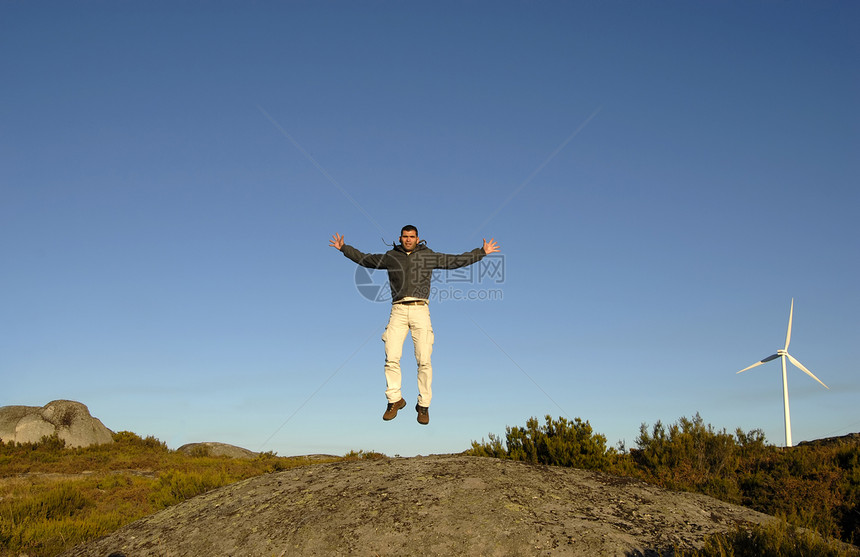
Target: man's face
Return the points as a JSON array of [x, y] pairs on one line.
[[408, 239]]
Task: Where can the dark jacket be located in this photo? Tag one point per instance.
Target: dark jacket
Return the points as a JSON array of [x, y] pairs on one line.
[[409, 274]]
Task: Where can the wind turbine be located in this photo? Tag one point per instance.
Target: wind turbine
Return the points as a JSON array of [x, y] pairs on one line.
[[783, 354]]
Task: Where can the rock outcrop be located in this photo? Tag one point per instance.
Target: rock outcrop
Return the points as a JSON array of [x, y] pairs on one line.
[[438, 506], [70, 420], [211, 448], [851, 439]]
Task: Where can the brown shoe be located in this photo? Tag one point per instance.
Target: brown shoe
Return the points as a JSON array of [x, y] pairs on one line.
[[393, 407], [423, 414]]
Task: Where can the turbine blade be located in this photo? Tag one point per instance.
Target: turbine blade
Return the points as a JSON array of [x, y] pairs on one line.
[[809, 373], [788, 334], [769, 358]]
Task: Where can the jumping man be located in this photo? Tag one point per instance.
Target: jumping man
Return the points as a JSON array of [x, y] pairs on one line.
[[410, 268]]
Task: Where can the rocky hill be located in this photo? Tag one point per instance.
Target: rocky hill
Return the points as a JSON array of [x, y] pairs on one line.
[[850, 439], [435, 505], [212, 448]]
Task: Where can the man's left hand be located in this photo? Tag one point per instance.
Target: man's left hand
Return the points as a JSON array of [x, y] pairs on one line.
[[491, 246]]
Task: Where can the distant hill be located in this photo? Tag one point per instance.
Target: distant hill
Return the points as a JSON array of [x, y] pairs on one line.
[[852, 439], [216, 449]]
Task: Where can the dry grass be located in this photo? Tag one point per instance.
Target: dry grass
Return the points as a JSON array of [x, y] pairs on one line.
[[53, 498]]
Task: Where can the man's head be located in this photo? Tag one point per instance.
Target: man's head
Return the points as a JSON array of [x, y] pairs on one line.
[[409, 237]]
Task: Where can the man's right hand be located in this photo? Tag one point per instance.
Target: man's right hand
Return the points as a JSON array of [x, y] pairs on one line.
[[336, 241]]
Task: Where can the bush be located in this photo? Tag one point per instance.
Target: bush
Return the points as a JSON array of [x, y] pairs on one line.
[[23, 521], [130, 439], [363, 455], [558, 442], [816, 487], [200, 451], [493, 449], [776, 539], [691, 455], [62, 501], [175, 487]]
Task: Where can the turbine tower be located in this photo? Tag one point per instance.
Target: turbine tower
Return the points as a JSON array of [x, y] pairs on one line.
[[783, 354]]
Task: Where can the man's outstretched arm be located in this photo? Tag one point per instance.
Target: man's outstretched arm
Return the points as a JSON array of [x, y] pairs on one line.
[[370, 260], [448, 261]]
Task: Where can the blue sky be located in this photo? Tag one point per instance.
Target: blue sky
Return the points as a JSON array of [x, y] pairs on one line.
[[663, 178]]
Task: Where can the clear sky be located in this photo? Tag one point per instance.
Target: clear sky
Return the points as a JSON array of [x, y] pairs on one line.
[[663, 178]]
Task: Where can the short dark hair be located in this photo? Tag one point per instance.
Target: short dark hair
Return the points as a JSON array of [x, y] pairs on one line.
[[408, 228]]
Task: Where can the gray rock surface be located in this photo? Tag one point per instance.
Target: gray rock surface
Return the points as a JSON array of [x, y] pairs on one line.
[[211, 448], [437, 505], [70, 420]]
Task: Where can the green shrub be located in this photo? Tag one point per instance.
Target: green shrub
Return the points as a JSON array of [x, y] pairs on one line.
[[129, 439], [175, 486], [363, 455], [200, 451], [47, 449], [688, 451], [493, 449], [557, 442], [776, 539], [63, 501], [30, 523], [815, 487]]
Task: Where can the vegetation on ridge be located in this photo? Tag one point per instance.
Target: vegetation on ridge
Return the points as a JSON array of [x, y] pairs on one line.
[[815, 487], [778, 539], [53, 498]]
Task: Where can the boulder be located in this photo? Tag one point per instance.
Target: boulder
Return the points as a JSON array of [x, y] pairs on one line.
[[210, 448], [70, 420]]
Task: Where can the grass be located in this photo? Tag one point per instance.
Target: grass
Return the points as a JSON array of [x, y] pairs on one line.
[[776, 539], [53, 498]]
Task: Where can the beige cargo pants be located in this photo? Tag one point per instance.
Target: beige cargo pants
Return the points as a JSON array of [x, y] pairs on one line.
[[403, 319]]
